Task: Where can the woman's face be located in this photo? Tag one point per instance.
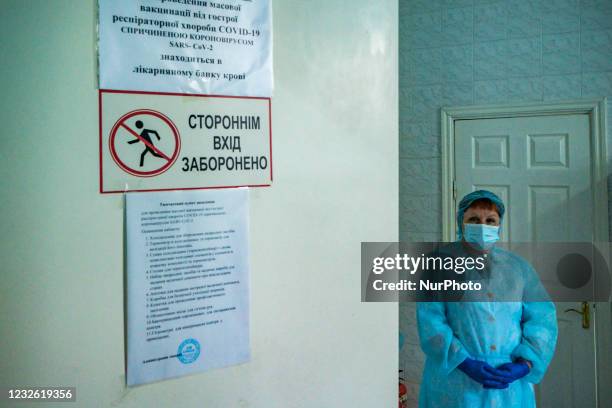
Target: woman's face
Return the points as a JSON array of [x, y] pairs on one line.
[[481, 214]]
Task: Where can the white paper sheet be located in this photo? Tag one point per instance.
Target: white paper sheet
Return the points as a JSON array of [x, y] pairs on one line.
[[201, 47], [187, 281]]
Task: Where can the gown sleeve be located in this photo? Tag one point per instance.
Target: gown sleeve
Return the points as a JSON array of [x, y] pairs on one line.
[[437, 338], [539, 328]]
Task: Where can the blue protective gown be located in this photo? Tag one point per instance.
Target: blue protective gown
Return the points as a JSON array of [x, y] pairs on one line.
[[495, 332]]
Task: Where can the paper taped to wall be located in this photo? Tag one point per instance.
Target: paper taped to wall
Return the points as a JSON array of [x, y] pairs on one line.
[[187, 282], [199, 47]]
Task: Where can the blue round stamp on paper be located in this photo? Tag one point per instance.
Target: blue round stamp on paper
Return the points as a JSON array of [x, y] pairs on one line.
[[188, 351]]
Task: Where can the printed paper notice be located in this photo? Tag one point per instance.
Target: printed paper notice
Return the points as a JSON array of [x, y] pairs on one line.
[[221, 47], [187, 282]]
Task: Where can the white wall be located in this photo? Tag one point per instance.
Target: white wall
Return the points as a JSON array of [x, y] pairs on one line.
[[335, 184]]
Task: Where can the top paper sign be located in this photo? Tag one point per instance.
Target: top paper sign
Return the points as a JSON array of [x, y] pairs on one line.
[[221, 47]]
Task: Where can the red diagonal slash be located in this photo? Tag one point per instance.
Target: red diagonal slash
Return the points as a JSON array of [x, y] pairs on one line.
[[149, 145]]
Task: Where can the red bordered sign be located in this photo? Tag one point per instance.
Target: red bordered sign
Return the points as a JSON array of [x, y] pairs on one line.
[[154, 141]]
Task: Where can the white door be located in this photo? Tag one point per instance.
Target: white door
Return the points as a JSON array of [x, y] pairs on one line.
[[540, 167]]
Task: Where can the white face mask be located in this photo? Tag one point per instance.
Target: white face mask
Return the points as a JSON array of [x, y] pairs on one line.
[[484, 236]]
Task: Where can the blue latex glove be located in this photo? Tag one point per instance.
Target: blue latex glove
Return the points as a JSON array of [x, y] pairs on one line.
[[514, 371], [484, 374]]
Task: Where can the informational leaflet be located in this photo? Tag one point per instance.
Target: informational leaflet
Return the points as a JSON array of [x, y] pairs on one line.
[[187, 282], [221, 47]]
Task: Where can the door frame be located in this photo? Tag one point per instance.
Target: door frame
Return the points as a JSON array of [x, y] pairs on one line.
[[597, 110]]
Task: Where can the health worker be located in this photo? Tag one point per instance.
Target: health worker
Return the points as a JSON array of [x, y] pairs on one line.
[[486, 353]]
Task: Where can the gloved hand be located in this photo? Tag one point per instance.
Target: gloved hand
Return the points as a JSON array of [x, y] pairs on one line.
[[514, 371], [484, 374]]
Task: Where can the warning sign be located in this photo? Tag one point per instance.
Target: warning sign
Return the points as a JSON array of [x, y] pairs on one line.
[[155, 141]]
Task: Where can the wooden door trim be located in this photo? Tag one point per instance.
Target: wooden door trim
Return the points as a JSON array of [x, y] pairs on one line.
[[597, 110]]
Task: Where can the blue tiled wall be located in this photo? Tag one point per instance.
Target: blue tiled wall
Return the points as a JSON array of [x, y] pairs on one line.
[[466, 52], [474, 52]]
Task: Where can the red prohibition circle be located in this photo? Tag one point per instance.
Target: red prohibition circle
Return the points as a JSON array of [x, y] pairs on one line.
[[128, 169]]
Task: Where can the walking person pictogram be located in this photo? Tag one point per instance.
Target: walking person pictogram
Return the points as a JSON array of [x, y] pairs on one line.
[[146, 135]]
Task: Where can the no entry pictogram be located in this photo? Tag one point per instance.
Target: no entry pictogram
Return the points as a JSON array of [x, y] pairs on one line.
[[144, 142]]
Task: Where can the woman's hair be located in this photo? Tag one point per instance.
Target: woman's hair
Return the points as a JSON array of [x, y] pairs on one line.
[[485, 203]]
